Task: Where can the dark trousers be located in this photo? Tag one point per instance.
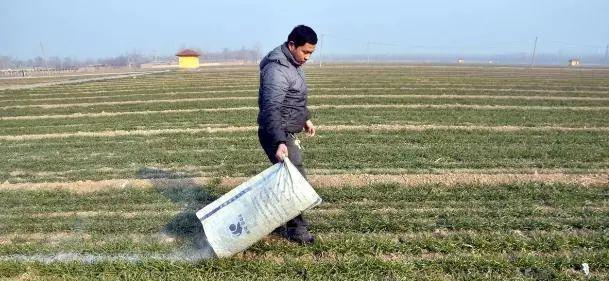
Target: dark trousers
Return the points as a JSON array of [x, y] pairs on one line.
[[295, 156]]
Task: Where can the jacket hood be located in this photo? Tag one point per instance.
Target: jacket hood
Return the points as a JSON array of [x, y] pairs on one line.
[[281, 55]]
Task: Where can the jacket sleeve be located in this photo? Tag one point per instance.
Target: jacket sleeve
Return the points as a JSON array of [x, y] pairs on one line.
[[274, 86]]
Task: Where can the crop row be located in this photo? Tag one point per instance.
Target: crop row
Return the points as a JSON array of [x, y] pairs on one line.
[[235, 154], [502, 237], [184, 116], [408, 95], [514, 78]]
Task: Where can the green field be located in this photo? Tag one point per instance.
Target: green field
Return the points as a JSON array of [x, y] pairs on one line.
[[427, 173]]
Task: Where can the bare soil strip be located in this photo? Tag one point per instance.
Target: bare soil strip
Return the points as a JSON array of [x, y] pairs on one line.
[[423, 127], [89, 214], [335, 128], [70, 257], [490, 171], [194, 255], [38, 85], [320, 106], [55, 237], [111, 114], [121, 133], [252, 88], [48, 106], [58, 237], [448, 179], [434, 96], [454, 89], [462, 106]]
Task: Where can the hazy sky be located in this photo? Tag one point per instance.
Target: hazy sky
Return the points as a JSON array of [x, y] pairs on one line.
[[92, 29]]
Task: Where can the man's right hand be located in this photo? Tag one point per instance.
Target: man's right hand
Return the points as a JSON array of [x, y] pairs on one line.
[[282, 151]]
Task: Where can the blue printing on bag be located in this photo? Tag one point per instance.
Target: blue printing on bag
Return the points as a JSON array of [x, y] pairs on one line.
[[232, 199]]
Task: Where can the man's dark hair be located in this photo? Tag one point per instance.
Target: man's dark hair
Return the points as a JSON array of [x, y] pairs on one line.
[[301, 35]]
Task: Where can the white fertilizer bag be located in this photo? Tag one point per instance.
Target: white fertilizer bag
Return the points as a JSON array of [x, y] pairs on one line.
[[255, 208]]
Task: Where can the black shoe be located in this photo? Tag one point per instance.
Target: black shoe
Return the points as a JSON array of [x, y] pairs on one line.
[[300, 235], [281, 231]]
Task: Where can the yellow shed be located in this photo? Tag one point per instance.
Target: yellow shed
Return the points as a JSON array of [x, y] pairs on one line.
[[574, 62], [188, 58]]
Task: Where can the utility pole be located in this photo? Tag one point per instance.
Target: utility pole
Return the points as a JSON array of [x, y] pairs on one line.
[[534, 50], [607, 55], [321, 43], [368, 50], [44, 57]]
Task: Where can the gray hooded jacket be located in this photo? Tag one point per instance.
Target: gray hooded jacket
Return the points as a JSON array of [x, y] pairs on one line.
[[282, 97]]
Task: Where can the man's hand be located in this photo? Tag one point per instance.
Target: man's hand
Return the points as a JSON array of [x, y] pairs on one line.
[[282, 151], [309, 128]]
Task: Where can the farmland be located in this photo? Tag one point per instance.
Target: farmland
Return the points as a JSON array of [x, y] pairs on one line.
[[427, 172]]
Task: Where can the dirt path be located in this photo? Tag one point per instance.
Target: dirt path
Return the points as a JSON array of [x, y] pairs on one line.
[[448, 179], [333, 128], [54, 83], [184, 100]]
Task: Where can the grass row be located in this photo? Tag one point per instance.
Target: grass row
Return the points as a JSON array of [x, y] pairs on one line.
[[238, 154], [350, 243], [453, 267], [507, 242], [251, 101], [399, 95], [153, 86], [562, 197], [227, 89], [525, 117], [360, 220], [380, 232], [452, 77]]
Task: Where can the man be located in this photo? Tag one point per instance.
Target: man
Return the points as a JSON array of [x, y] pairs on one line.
[[282, 100]]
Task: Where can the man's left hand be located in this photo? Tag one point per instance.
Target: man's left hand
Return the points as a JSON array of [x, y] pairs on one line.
[[309, 128]]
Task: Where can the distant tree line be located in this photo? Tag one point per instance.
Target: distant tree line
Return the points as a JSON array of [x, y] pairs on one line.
[[243, 54], [134, 59]]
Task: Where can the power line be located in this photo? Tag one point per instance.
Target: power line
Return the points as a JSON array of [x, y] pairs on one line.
[[572, 45], [372, 48], [378, 44]]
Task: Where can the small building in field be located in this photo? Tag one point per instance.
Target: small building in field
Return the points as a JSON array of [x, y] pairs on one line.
[[188, 58], [460, 61], [574, 62]]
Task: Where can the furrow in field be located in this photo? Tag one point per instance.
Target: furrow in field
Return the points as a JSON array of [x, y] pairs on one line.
[[335, 180], [313, 107], [183, 100], [335, 128], [343, 89]]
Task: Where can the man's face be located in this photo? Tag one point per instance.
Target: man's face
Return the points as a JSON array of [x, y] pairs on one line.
[[301, 53]]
